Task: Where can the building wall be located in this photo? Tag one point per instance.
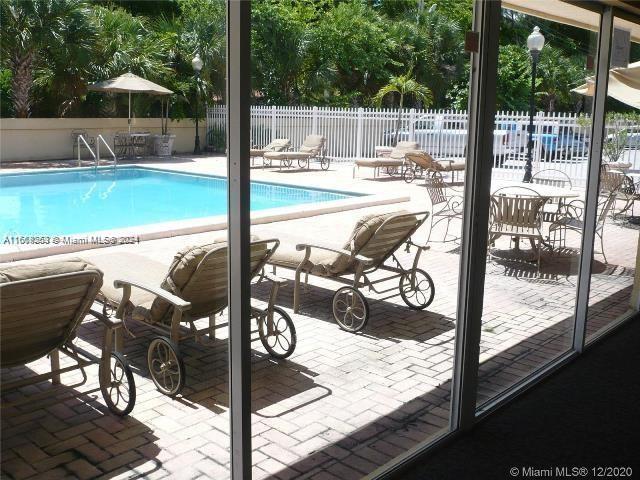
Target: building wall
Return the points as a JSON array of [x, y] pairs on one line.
[[50, 138]]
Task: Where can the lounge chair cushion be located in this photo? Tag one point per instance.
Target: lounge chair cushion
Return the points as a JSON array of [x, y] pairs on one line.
[[177, 279], [379, 162], [275, 146], [402, 148], [326, 263], [309, 148], [206, 288], [288, 155], [29, 271], [56, 310], [312, 144], [452, 165], [132, 267]]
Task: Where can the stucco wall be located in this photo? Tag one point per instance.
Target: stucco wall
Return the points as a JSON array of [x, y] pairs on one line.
[[50, 138]]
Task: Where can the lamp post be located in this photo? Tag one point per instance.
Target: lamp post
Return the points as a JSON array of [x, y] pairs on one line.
[[196, 63], [535, 42]]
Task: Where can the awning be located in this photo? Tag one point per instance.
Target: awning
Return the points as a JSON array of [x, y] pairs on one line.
[[564, 12], [624, 85]]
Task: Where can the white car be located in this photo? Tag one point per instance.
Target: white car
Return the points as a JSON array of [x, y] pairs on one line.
[[446, 136]]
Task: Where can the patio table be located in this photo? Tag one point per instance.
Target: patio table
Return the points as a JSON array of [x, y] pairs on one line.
[[549, 191]]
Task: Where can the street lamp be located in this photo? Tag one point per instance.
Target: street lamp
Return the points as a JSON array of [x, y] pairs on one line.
[[535, 42], [196, 63]]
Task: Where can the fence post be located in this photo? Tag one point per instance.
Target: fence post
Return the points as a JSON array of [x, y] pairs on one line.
[[412, 125], [314, 121], [273, 122], [359, 133], [539, 123]]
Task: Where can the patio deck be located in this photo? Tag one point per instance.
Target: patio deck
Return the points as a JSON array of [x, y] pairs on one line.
[[342, 404]]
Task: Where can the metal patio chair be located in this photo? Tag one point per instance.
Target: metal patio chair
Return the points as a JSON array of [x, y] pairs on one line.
[[374, 240], [445, 207], [517, 212], [572, 219], [190, 291], [552, 177], [41, 308]]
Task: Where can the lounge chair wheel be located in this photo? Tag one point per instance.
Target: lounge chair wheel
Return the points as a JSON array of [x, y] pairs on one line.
[[409, 174], [417, 289], [282, 341], [392, 171], [166, 366], [119, 388], [324, 163], [266, 162], [287, 162], [303, 162], [350, 309]]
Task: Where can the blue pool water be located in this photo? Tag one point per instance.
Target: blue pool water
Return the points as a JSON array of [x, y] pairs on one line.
[[87, 200]]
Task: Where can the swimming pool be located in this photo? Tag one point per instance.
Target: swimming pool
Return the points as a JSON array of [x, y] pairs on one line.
[[88, 200]]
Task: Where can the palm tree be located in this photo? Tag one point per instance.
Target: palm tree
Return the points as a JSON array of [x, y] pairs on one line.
[[404, 85], [31, 32]]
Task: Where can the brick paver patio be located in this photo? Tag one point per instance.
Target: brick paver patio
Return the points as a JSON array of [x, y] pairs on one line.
[[342, 404]]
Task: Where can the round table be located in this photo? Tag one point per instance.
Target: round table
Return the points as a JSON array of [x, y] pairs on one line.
[[521, 188]]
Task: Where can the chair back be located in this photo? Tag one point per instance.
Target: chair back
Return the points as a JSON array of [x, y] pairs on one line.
[[313, 144], [394, 231], [610, 181], [277, 145], [38, 315], [199, 276], [436, 188], [516, 210], [423, 160], [552, 177], [605, 204], [401, 149]]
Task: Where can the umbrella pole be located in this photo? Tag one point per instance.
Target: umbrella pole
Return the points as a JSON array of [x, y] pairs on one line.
[[129, 121]]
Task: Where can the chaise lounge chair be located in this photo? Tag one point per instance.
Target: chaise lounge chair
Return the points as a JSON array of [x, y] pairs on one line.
[[374, 240], [276, 145], [418, 162], [313, 147], [41, 308], [191, 289], [393, 163]]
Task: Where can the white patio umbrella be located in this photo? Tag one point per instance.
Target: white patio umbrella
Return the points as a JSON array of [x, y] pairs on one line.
[[130, 83], [624, 85]]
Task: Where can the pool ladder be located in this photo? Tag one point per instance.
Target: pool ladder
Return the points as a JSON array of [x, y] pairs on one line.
[[96, 155]]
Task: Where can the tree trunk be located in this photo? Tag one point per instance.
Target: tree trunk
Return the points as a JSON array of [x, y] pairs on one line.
[[21, 84], [398, 121]]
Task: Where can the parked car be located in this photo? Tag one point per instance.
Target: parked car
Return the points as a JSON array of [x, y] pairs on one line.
[[558, 141], [632, 140]]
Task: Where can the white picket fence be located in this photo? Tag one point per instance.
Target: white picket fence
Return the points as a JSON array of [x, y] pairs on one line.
[[355, 132]]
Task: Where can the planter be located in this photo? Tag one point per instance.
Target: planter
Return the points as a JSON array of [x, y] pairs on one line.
[[163, 145]]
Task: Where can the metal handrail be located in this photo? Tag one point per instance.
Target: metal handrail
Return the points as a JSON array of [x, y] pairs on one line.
[[80, 137], [115, 159]]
